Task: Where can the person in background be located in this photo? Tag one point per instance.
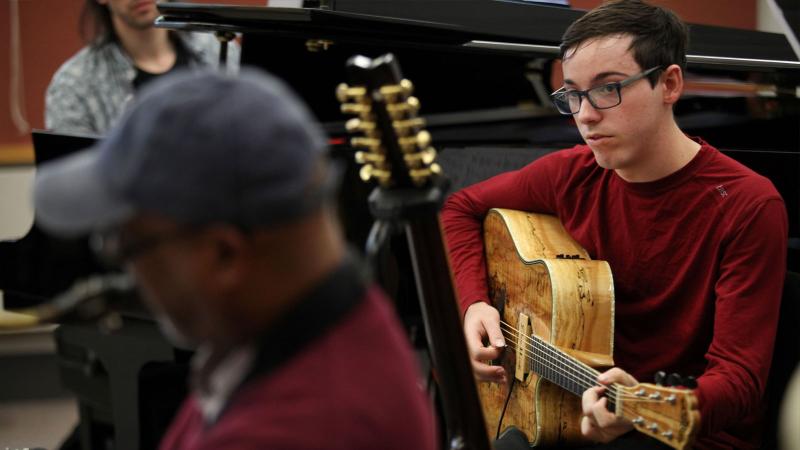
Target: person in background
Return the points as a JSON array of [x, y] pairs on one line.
[[696, 241], [215, 193], [124, 51]]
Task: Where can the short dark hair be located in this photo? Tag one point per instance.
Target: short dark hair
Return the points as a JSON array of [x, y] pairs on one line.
[[660, 38], [95, 24]]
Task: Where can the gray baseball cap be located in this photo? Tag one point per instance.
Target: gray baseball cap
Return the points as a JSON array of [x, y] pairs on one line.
[[197, 147]]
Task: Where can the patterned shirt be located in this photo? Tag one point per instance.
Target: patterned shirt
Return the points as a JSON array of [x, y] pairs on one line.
[[90, 91]]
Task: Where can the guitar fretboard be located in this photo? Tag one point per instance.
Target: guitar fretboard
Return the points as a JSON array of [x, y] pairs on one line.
[[562, 369]]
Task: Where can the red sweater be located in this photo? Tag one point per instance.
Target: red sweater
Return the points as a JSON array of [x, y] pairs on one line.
[[356, 386], [698, 260]]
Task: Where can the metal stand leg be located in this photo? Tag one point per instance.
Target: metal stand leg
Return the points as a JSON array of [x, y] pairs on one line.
[[224, 37]]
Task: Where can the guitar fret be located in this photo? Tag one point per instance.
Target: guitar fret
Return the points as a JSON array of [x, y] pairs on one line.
[[559, 368]]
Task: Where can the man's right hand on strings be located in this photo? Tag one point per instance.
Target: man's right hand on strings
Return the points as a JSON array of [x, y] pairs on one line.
[[482, 323]]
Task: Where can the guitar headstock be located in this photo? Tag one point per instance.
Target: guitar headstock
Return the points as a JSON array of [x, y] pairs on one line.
[[395, 147], [665, 413]]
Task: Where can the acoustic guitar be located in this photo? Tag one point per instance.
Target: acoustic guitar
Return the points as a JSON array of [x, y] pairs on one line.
[[557, 315]]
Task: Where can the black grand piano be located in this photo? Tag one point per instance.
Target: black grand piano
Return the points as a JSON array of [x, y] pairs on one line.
[[481, 69]]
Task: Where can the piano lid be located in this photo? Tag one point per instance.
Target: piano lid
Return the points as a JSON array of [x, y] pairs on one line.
[[481, 25]]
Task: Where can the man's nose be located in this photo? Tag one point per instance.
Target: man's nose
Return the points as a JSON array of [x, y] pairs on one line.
[[587, 112]]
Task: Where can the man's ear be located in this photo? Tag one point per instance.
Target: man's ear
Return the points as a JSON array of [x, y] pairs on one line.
[[229, 254], [672, 87]]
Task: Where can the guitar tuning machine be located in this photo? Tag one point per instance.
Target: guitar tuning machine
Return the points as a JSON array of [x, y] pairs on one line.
[[409, 108], [410, 143], [355, 124], [404, 126], [426, 157], [674, 379], [369, 158], [369, 172], [405, 88], [371, 144], [419, 176], [345, 93], [357, 109]]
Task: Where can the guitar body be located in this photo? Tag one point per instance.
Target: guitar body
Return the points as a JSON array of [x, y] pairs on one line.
[[537, 280]]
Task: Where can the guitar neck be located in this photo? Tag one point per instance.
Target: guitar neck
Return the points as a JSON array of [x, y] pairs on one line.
[[562, 369]]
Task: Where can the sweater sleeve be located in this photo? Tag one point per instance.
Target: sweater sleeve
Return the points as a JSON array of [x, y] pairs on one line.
[[66, 109], [748, 293], [527, 189]]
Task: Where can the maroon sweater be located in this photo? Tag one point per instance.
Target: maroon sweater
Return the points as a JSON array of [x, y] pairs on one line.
[[698, 260], [338, 373]]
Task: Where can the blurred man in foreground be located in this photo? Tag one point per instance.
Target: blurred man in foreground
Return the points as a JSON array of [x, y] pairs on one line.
[[214, 193]]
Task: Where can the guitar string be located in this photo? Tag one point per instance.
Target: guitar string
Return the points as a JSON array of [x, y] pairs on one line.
[[553, 353], [626, 396], [584, 374], [580, 371], [629, 408], [628, 404], [586, 380]]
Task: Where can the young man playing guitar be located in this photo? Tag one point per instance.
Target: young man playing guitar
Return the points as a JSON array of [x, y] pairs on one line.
[[695, 240]]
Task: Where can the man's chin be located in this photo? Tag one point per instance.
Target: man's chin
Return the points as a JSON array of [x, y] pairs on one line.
[[173, 334], [602, 159]]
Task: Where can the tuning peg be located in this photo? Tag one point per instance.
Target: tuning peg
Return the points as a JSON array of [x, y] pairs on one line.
[[674, 379], [371, 144], [404, 88], [411, 143], [423, 139], [403, 126], [345, 93], [660, 377], [410, 107], [369, 172], [360, 109], [407, 86], [355, 124], [369, 158], [419, 176], [426, 157]]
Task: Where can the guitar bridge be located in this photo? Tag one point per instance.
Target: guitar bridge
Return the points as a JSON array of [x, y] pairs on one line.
[[523, 366]]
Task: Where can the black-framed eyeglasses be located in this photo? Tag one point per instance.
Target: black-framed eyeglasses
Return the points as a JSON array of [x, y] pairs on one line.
[[114, 249], [604, 96]]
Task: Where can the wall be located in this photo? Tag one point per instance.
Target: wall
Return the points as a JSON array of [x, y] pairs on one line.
[[726, 13], [48, 36]]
